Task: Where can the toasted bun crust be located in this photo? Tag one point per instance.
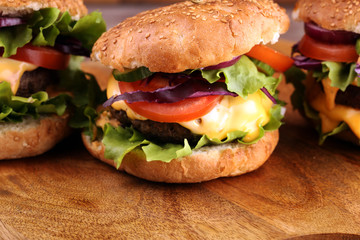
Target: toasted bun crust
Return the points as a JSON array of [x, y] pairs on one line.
[[204, 164], [32, 137], [13, 8], [190, 35], [330, 14]]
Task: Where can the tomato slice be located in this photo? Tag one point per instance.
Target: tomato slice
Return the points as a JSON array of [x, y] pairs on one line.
[[45, 57], [275, 59], [182, 111], [327, 52]]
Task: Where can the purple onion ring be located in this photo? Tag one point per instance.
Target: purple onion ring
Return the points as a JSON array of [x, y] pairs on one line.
[[11, 21], [223, 64], [328, 36]]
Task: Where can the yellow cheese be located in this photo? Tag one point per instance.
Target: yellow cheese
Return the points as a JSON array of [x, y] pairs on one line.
[[332, 114], [12, 70], [234, 114], [330, 93], [114, 90], [231, 114]]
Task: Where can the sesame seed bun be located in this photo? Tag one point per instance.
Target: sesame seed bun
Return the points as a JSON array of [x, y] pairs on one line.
[[32, 137], [184, 36], [330, 14], [13, 8], [190, 35], [204, 164]]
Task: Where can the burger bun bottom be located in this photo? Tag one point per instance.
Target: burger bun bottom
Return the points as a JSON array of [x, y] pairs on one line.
[[32, 137], [204, 164]]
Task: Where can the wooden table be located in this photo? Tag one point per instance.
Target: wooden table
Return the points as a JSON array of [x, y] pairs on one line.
[[304, 191]]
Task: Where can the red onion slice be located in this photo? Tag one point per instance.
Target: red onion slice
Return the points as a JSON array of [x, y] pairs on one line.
[[223, 64], [11, 21], [304, 62], [328, 36], [357, 70], [171, 94], [266, 92]]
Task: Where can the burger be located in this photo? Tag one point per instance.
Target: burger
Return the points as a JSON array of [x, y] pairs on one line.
[[192, 93], [329, 93], [40, 81]]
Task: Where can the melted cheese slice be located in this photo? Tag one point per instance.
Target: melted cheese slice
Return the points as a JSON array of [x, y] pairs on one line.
[[12, 70], [231, 114], [332, 114], [234, 114]]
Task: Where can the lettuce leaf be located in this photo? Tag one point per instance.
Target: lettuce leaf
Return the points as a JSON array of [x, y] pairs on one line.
[[120, 141], [243, 77], [14, 108], [11, 38], [46, 25], [340, 74]]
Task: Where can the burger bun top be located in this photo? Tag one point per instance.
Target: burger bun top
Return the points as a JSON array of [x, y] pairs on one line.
[[330, 14], [76, 8], [190, 35]]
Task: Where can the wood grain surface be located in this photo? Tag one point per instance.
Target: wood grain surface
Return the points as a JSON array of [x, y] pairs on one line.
[[304, 191]]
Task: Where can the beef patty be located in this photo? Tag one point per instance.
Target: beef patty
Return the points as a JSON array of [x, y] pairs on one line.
[[351, 97], [156, 131], [35, 81]]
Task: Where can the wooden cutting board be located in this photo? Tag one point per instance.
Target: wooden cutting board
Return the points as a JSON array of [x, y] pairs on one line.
[[304, 191]]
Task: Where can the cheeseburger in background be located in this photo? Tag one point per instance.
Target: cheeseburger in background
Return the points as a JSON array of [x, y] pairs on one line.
[[41, 85], [192, 93], [329, 50]]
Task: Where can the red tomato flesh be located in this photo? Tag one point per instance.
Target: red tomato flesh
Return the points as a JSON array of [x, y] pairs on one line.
[[327, 52], [45, 57], [275, 59], [182, 111]]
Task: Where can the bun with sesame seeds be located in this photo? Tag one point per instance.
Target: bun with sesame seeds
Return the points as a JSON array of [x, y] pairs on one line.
[[14, 8], [190, 35], [330, 14], [329, 53], [179, 62]]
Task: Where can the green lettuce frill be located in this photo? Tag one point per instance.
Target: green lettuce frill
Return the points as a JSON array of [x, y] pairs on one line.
[[45, 25]]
